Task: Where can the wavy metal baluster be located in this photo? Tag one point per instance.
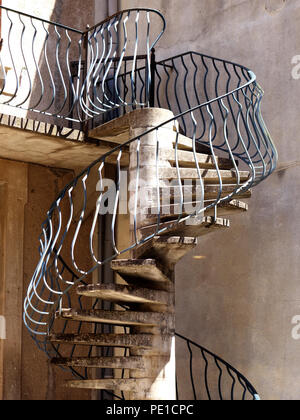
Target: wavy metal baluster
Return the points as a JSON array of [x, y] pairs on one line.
[[26, 65], [37, 68], [57, 114], [191, 370], [114, 218]]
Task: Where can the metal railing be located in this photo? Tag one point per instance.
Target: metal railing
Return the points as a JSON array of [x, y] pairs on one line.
[[212, 378], [37, 56]]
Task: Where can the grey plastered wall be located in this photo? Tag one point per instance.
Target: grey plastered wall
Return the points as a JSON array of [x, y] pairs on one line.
[[240, 300]]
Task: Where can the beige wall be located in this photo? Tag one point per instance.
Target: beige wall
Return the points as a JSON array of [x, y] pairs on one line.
[[242, 297]]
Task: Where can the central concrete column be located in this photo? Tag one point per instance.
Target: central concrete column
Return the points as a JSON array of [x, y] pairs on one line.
[[159, 376]]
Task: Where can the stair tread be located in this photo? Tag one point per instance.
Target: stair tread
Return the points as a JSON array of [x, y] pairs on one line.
[[112, 362], [208, 175], [188, 208], [183, 158], [211, 192], [109, 384], [128, 318], [146, 269], [118, 129], [196, 226], [124, 293], [104, 340], [187, 157]]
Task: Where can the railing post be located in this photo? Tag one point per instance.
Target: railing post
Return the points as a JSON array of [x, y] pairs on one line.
[[152, 72], [86, 63]]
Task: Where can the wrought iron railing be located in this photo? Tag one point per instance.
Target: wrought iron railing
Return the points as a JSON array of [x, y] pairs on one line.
[[211, 378], [38, 56]]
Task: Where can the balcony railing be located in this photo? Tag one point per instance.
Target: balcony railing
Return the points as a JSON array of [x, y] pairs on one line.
[[66, 76]]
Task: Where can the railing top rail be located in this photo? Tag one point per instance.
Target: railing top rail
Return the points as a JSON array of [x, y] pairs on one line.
[[121, 12], [136, 9], [42, 20], [205, 56]]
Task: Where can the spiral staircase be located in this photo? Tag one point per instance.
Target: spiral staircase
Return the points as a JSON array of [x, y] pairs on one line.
[[186, 139]]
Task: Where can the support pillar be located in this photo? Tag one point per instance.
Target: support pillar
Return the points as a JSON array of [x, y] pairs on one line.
[[13, 197], [160, 366]]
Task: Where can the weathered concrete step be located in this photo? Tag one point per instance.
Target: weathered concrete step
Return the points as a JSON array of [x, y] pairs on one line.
[[194, 227], [119, 129], [168, 211], [128, 385], [127, 318], [168, 250], [209, 176], [174, 210], [144, 341], [142, 269], [183, 158], [193, 192], [102, 362], [123, 293]]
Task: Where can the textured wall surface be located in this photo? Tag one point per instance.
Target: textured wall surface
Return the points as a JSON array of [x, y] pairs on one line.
[[241, 299]]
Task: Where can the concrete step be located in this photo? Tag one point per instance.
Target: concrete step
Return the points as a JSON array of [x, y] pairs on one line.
[[194, 227], [145, 271], [124, 294], [209, 176], [193, 192], [118, 130], [183, 158], [143, 341], [122, 318], [128, 385], [101, 362], [188, 208], [168, 250]]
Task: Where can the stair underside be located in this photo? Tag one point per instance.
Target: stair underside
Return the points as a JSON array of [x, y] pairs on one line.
[[195, 226], [122, 318], [144, 341], [168, 250], [145, 269], [188, 208], [122, 293]]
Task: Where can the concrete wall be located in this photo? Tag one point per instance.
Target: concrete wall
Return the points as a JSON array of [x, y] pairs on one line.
[[242, 297]]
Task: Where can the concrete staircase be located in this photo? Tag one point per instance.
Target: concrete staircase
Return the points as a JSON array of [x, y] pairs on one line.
[[145, 301]]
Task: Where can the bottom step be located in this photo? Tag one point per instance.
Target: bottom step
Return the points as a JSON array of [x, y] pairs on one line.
[[126, 385]]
